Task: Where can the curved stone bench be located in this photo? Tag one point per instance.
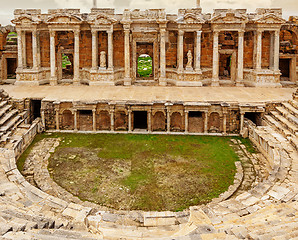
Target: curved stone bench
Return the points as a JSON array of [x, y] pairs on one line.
[[267, 211]]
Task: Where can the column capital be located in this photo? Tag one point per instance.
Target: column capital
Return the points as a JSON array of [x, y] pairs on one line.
[[216, 31], [93, 110], [241, 32], [52, 33], [94, 31], [162, 30], [259, 31], [76, 32], [180, 32], [277, 31], [199, 32], [110, 31]]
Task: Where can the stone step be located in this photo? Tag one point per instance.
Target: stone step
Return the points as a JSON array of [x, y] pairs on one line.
[[2, 104], [291, 107], [288, 115], [286, 123], [294, 142], [41, 222], [8, 116], [12, 122], [4, 110], [274, 123]]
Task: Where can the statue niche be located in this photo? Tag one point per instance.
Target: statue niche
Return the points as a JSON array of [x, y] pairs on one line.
[[103, 60]]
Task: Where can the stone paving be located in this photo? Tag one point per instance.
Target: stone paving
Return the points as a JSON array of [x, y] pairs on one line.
[[150, 94]]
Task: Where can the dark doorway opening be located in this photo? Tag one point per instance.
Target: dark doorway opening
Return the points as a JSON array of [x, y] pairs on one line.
[[85, 120], [11, 68], [140, 120], [284, 66], [255, 117], [35, 109], [195, 122], [225, 66]]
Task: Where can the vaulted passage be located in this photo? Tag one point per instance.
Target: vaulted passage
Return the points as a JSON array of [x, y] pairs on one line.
[[35, 109], [284, 65], [255, 117], [140, 120], [11, 68]]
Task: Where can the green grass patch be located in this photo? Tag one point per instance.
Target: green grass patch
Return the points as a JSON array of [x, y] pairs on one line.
[[147, 172]]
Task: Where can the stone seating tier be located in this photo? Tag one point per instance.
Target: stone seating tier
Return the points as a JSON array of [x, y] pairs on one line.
[[268, 210]]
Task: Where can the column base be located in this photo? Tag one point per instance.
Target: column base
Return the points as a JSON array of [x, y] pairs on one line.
[[162, 82], [127, 81], [239, 84], [53, 82], [76, 82], [215, 83]]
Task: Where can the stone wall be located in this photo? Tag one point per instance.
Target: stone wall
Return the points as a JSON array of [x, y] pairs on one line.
[[85, 49], [45, 49]]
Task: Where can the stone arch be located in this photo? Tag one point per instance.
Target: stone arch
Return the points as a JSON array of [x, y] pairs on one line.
[[103, 120], [121, 121], [159, 121], [67, 120], [214, 123], [176, 122]]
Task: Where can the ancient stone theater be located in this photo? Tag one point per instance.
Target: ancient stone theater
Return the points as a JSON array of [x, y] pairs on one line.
[[226, 73]]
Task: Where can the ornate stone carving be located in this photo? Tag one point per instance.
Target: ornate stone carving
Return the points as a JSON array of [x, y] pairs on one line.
[[103, 60], [189, 61]]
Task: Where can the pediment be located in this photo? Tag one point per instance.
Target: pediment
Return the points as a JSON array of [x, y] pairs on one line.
[[26, 19], [270, 18], [229, 18], [190, 18], [64, 19], [102, 20]]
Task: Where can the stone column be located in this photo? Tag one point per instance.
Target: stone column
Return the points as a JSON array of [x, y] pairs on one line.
[[225, 123], [112, 120], [20, 50], [259, 50], [75, 120], [276, 50], [127, 79], [239, 82], [94, 119], [149, 121], [94, 50], [186, 120], [129, 121], [76, 70], [53, 80], [110, 51], [168, 120], [24, 53], [57, 120], [34, 50], [43, 120], [198, 52], [162, 80], [215, 80], [241, 121], [206, 122], [180, 50]]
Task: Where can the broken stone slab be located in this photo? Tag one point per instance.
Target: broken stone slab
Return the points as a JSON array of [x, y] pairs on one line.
[[159, 219], [278, 192]]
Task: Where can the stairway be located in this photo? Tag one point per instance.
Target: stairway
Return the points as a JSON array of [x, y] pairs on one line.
[[285, 120], [10, 120]]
